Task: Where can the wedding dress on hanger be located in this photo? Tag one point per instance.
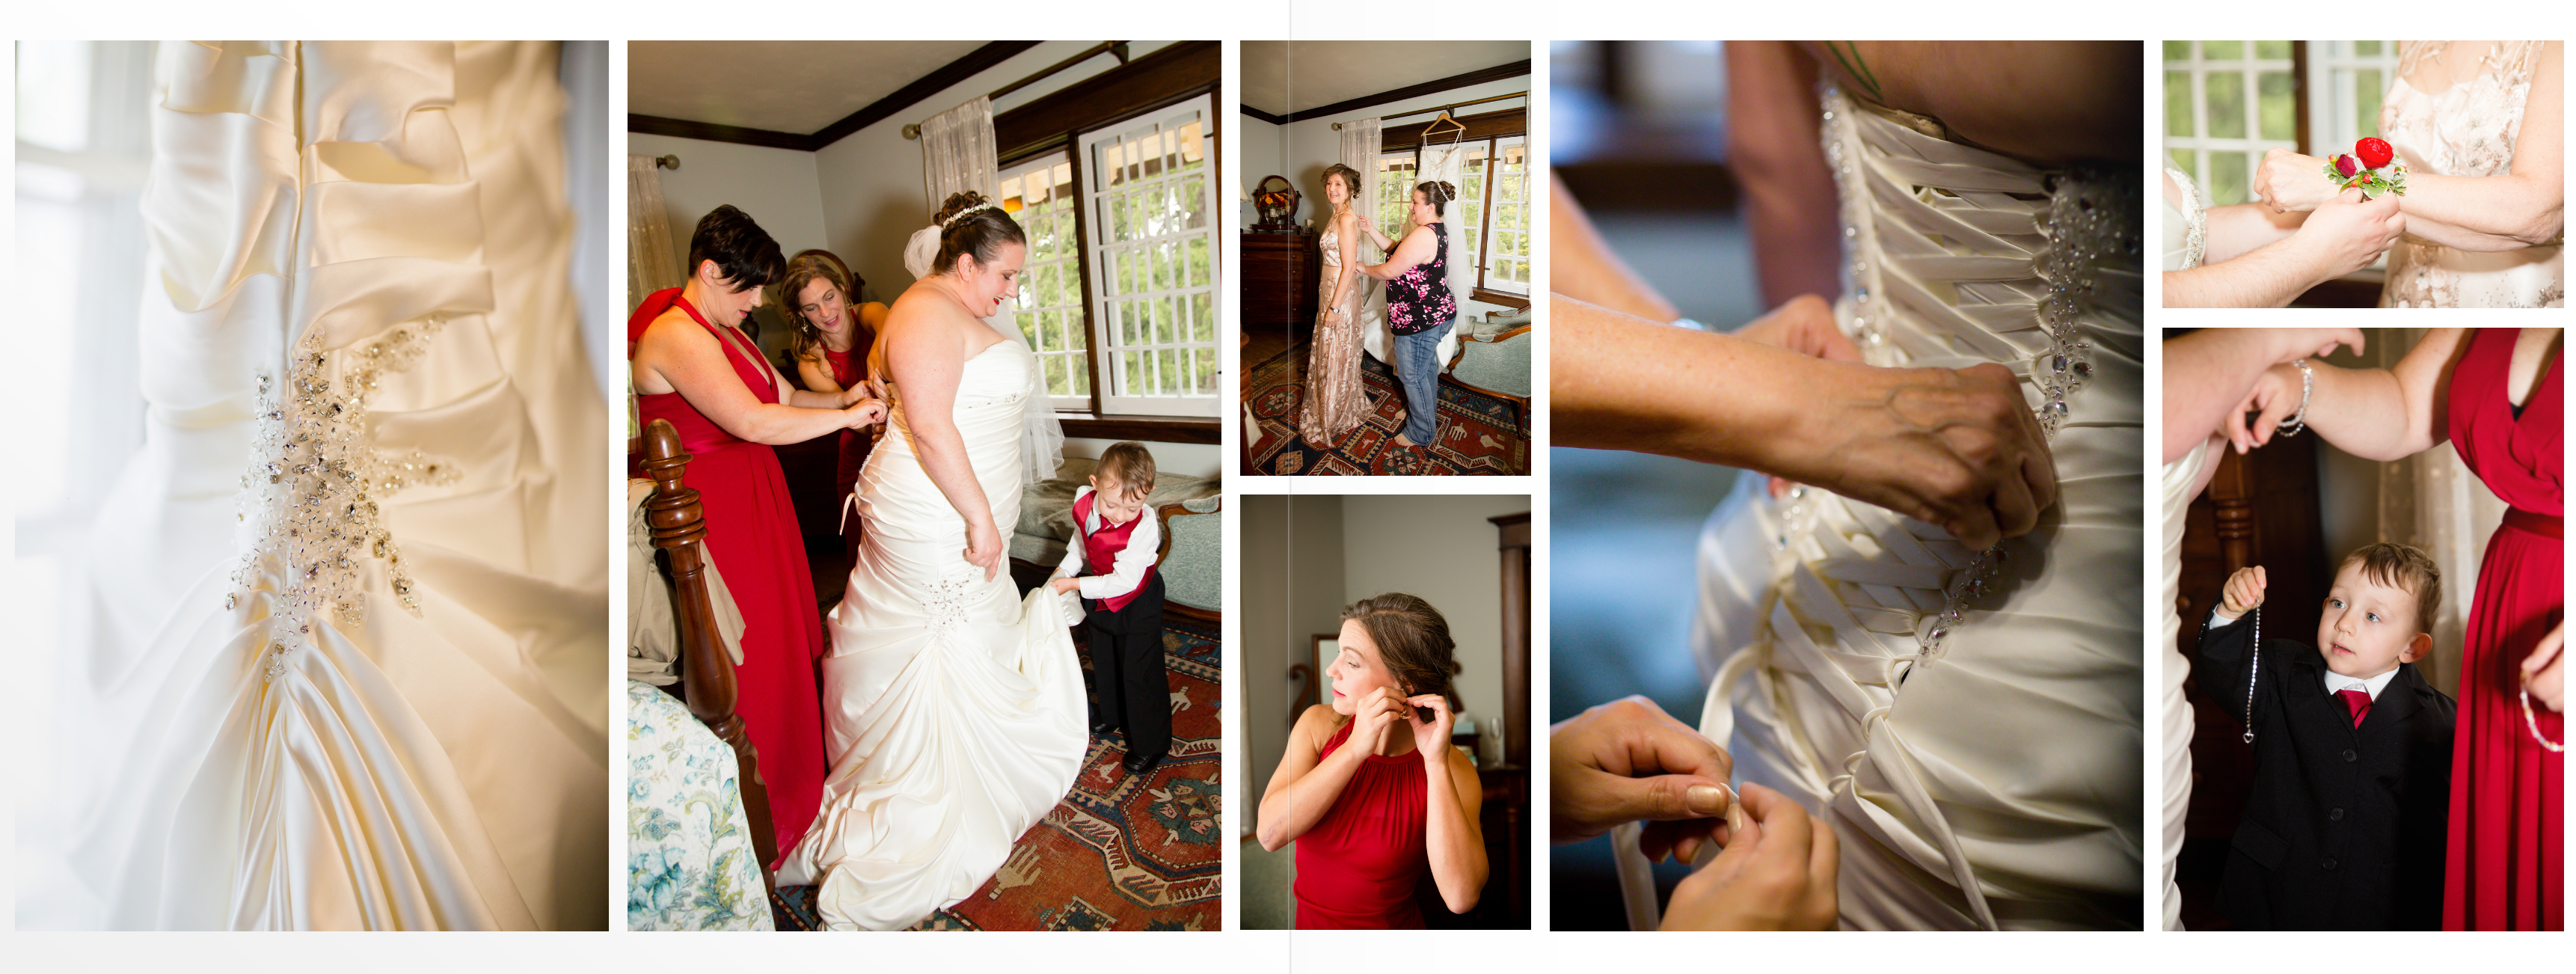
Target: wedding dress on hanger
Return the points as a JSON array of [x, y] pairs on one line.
[[1967, 722], [954, 707], [344, 616], [2467, 129]]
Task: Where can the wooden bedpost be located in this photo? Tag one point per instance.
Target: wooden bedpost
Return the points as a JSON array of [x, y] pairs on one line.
[[706, 669]]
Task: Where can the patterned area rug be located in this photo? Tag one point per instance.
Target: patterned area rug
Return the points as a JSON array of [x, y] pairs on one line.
[[1115, 854], [1478, 433]]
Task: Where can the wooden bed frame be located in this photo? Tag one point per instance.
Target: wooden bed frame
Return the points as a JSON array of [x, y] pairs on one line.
[[706, 670]]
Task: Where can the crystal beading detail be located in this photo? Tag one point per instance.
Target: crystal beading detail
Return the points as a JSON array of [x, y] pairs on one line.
[[2086, 230], [311, 494]]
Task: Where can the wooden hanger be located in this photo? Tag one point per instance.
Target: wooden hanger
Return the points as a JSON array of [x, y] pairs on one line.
[[1434, 126]]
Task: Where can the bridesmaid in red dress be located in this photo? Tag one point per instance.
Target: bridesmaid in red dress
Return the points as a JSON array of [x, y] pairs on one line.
[[1370, 789], [2507, 851], [691, 365], [828, 339], [2496, 394]]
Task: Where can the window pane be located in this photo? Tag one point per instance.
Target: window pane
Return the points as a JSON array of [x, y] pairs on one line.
[[2185, 159], [2272, 50], [2367, 90], [2178, 104], [2279, 114], [1201, 274], [2366, 48], [2177, 50], [2226, 95], [1202, 318], [2222, 50], [2227, 178]]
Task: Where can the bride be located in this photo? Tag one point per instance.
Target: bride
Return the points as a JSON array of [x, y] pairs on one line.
[[954, 709], [1964, 714]]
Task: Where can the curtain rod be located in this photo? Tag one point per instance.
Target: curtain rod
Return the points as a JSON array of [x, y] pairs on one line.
[[1442, 108], [1119, 48]]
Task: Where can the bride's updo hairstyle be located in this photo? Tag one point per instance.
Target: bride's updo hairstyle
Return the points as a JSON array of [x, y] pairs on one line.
[[743, 252], [971, 224], [1350, 179], [1438, 194], [1412, 639]]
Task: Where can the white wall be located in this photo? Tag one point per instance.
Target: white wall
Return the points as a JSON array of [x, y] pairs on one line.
[[873, 196], [1442, 549], [776, 186], [1308, 146], [1262, 151], [1290, 580]]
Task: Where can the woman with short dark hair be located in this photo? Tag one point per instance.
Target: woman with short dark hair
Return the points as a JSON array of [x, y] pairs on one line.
[[692, 365]]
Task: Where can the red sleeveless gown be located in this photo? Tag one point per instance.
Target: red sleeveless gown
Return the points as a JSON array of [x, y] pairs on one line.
[[1356, 869], [751, 534], [2507, 855]]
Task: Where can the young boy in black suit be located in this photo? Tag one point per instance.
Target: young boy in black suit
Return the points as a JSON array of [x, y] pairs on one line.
[[1111, 563], [2343, 828]]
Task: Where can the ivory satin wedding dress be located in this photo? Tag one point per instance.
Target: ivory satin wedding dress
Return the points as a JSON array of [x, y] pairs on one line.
[[1968, 723], [954, 708], [342, 623]]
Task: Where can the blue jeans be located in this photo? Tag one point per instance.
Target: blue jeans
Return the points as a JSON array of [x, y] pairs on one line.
[[1417, 365]]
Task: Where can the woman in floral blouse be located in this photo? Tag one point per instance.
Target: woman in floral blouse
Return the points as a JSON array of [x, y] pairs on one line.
[[1419, 307]]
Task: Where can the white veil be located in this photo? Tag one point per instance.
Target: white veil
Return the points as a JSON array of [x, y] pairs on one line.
[[1041, 435]]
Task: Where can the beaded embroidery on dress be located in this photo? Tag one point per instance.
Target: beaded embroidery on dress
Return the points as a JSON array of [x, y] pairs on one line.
[[359, 398], [2467, 129], [1968, 721], [2186, 226]]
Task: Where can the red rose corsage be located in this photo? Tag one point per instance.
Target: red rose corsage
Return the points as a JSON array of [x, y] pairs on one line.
[[2371, 167]]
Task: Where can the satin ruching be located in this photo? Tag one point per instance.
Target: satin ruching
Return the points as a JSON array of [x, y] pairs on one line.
[[445, 769]]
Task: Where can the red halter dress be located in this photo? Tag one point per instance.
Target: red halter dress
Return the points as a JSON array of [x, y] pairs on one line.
[[751, 534], [1356, 869]]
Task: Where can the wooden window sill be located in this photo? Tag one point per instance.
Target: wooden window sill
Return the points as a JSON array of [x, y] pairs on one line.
[[1517, 302], [1154, 429]]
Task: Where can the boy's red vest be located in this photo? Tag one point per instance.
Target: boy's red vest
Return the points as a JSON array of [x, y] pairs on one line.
[[1100, 548]]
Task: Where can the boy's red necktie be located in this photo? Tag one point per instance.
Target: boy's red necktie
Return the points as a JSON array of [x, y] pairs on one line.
[[2358, 701]]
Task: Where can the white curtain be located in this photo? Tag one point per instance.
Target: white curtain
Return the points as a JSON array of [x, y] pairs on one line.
[[1359, 151], [957, 152], [957, 156], [2431, 500], [652, 264]]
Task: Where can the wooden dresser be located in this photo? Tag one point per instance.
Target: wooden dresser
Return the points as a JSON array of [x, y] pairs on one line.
[[1280, 274]]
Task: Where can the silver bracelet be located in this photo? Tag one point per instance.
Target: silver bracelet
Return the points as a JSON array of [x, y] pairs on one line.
[[2307, 387]]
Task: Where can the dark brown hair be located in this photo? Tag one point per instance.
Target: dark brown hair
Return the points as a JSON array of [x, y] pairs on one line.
[[2404, 567], [803, 269], [981, 233], [744, 253], [1412, 639], [1131, 464], [1438, 194], [1350, 179]]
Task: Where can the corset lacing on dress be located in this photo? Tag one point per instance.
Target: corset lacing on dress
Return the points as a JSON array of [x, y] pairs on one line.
[[1955, 255]]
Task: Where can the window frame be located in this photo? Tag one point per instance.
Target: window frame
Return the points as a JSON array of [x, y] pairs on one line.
[[1494, 142], [2333, 92], [2252, 145], [1074, 316], [1109, 392]]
